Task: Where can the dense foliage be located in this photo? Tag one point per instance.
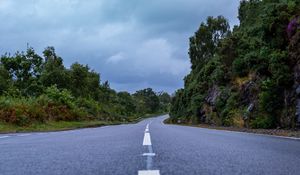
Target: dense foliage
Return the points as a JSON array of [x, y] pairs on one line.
[[248, 76], [39, 89]]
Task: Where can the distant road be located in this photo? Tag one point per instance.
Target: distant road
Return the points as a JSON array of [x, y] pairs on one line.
[[147, 148]]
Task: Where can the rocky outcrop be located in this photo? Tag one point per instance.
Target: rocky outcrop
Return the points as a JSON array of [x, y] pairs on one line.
[[212, 96], [248, 93], [207, 113]]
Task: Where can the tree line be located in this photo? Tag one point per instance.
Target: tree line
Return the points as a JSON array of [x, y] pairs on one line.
[[38, 89], [247, 76]]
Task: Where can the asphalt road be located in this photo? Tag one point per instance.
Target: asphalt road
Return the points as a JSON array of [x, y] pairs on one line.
[[148, 148]]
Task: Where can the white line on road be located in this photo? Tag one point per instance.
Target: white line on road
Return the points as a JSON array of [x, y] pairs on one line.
[[149, 154], [147, 139], [23, 135], [2, 137], [149, 172]]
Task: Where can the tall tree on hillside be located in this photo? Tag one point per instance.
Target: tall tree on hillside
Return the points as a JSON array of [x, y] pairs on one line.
[[204, 43]]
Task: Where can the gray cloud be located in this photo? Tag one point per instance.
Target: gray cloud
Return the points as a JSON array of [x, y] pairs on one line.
[[133, 44]]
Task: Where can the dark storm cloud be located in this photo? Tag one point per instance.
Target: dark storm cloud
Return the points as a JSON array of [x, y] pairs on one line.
[[133, 44]]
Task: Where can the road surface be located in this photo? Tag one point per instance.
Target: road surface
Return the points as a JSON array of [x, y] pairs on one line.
[[147, 148]]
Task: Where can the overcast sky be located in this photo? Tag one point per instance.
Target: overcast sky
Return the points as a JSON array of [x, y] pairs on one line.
[[132, 43]]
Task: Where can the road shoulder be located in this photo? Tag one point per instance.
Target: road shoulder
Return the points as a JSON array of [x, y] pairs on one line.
[[293, 134]]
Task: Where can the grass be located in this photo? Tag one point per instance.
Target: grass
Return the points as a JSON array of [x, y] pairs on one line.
[[54, 126], [65, 125]]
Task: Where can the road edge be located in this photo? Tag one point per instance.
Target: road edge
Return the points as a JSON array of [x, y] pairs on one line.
[[228, 129]]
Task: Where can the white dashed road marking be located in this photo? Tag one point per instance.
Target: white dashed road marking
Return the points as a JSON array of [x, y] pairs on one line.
[[23, 135], [147, 139], [149, 172], [147, 128], [19, 135], [2, 137], [149, 155]]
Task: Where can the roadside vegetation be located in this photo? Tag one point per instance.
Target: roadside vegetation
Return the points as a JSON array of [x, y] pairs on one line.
[[39, 93], [248, 76]]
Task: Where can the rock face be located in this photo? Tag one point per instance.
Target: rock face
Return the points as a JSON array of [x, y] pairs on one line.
[[249, 110], [248, 92], [207, 111], [212, 96]]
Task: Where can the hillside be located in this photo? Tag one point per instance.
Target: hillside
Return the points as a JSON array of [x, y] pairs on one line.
[[248, 76]]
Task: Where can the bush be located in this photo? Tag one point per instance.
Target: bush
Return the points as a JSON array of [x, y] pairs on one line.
[[91, 106], [20, 112], [61, 97], [240, 67], [79, 114], [264, 122], [270, 99]]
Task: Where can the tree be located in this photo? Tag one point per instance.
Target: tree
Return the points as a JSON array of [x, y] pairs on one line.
[[165, 100], [204, 43], [84, 83], [25, 69], [5, 79], [54, 72], [252, 68], [105, 93], [148, 101], [127, 103], [79, 80]]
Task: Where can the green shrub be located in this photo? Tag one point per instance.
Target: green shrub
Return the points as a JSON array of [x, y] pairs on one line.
[[265, 122], [79, 114], [22, 117], [62, 97], [240, 67], [37, 113], [221, 100], [91, 106], [270, 99], [14, 111]]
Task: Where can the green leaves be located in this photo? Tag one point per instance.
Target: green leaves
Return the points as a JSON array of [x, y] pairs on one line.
[[147, 100], [204, 43], [5, 79], [23, 68], [40, 89], [62, 97], [255, 63]]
